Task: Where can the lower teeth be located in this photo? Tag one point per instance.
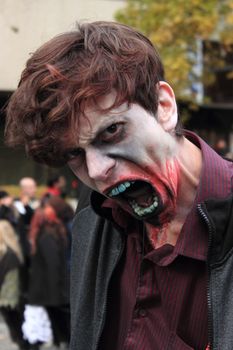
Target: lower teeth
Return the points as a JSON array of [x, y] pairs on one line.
[[141, 211]]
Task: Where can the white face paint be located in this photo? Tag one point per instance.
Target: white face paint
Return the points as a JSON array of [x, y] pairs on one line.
[[128, 156]]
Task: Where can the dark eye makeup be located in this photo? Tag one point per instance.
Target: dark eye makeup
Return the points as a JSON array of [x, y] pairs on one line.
[[112, 133], [75, 153]]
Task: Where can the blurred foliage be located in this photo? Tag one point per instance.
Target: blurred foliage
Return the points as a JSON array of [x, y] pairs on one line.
[[175, 27]]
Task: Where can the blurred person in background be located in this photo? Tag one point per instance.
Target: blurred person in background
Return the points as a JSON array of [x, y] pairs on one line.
[[9, 213], [25, 204], [65, 213], [221, 147], [27, 199], [49, 272], [7, 210], [11, 260], [56, 186]]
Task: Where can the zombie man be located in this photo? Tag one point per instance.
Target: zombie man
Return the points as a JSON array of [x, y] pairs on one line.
[[152, 253]]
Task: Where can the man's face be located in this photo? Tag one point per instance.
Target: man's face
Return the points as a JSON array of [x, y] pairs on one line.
[[126, 155], [29, 189], [61, 182]]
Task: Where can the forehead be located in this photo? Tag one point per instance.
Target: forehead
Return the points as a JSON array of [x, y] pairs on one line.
[[96, 118], [28, 183], [104, 107]]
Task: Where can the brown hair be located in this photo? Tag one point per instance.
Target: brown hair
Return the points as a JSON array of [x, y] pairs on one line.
[[75, 69]]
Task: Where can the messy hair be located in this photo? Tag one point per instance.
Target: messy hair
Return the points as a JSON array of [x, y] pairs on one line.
[[73, 70]]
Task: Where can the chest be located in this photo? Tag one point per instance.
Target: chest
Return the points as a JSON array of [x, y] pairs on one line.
[[160, 297], [166, 234]]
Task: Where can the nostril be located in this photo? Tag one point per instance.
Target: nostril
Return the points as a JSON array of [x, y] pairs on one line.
[[99, 166]]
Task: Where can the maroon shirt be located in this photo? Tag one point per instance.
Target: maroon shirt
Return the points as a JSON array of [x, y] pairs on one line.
[[158, 297]]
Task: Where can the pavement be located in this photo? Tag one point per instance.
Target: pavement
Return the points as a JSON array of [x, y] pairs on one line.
[[7, 344]]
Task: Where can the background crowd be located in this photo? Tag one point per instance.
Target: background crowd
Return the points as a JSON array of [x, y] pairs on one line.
[[35, 242]]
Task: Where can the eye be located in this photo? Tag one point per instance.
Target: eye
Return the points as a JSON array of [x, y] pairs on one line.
[[77, 154], [112, 133]]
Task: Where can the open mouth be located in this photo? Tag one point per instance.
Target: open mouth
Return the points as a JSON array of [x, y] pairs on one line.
[[140, 196]]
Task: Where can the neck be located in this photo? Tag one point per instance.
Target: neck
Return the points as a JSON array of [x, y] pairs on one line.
[[190, 163]]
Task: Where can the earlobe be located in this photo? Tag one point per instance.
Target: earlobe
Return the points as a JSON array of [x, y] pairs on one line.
[[167, 108]]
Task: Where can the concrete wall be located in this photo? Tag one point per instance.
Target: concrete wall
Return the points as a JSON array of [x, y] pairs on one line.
[[26, 24]]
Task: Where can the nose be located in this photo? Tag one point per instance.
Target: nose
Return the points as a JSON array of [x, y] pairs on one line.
[[99, 165]]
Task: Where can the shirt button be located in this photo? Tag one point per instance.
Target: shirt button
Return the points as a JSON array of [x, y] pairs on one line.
[[142, 312]]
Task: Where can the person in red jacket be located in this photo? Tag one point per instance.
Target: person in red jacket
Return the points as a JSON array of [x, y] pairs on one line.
[[49, 273], [55, 187]]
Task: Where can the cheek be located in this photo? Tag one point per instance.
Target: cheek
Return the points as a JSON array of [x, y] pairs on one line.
[[134, 152], [166, 180], [166, 184], [145, 152]]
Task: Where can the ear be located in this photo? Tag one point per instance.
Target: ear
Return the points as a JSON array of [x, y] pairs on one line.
[[167, 108]]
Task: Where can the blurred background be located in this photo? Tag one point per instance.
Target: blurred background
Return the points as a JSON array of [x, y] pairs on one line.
[[195, 39]]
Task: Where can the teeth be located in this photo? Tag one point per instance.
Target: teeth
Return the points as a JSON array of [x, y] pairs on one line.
[[120, 189], [140, 211]]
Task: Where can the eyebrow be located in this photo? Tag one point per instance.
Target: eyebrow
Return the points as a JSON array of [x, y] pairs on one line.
[[105, 123], [114, 119]]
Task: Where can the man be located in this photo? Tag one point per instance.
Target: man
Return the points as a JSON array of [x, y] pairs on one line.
[[26, 205], [27, 201], [152, 255]]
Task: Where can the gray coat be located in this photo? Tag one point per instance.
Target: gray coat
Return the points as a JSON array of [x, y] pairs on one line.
[[97, 247]]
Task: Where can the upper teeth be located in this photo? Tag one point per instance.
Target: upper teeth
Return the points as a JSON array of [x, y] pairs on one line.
[[120, 188]]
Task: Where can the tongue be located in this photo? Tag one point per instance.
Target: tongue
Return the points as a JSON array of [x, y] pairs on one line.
[[144, 201], [143, 195]]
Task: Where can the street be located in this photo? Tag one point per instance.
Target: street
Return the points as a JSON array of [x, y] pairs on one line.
[[6, 343]]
